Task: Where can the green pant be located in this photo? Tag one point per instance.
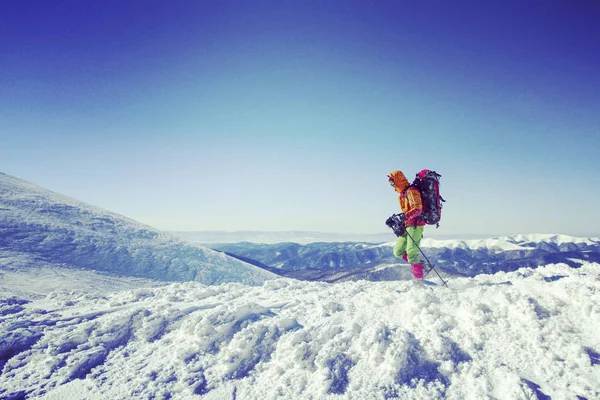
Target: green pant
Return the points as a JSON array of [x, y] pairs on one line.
[[405, 244]]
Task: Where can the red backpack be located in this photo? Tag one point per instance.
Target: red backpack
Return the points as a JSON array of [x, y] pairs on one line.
[[428, 183]]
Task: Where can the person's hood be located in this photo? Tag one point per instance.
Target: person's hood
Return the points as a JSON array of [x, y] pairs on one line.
[[400, 181]]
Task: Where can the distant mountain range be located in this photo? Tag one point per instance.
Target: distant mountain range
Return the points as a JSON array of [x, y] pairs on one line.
[[351, 261], [37, 224]]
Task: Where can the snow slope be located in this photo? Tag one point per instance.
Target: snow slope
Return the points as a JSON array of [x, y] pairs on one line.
[[59, 230], [529, 334]]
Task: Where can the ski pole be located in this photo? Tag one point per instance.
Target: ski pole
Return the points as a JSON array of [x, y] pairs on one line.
[[428, 262]]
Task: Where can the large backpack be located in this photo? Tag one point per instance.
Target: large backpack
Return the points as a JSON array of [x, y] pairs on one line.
[[428, 183]]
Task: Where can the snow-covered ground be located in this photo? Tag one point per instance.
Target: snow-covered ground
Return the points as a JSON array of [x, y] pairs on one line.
[[521, 335]]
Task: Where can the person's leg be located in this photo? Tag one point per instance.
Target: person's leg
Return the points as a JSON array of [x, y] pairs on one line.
[[413, 243], [412, 249], [400, 246]]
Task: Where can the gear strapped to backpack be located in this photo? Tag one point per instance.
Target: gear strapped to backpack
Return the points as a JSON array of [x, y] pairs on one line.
[[428, 183]]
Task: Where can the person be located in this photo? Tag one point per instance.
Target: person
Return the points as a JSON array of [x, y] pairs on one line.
[[407, 245]]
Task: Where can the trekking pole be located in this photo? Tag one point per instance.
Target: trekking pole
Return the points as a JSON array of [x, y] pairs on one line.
[[428, 262]]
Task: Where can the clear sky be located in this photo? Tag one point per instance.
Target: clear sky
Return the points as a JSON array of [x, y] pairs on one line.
[[287, 115]]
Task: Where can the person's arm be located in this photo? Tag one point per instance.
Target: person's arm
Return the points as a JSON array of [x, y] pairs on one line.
[[415, 204]]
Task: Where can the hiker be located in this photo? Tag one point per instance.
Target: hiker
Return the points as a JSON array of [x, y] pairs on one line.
[[407, 245]]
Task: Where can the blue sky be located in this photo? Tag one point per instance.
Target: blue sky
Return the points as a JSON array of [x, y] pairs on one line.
[[287, 115]]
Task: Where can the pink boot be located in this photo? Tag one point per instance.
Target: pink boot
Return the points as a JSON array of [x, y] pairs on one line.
[[417, 270], [405, 257]]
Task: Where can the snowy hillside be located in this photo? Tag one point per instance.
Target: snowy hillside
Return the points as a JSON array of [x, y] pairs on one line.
[[530, 334], [56, 229]]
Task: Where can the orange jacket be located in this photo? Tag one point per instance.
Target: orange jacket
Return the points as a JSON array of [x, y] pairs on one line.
[[409, 199]]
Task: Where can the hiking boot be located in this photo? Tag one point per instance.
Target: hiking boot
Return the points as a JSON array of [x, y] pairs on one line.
[[417, 271]]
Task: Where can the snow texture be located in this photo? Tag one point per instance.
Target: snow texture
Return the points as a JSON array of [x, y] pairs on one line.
[[37, 279], [58, 230], [529, 334]]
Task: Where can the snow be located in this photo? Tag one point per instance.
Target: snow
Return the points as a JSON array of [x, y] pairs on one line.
[[552, 238], [520, 335], [499, 244], [38, 281], [59, 230]]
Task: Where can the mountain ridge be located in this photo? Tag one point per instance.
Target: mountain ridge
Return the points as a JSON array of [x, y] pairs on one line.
[[511, 242]]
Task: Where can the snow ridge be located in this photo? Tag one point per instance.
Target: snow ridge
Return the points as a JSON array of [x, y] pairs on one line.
[[66, 232]]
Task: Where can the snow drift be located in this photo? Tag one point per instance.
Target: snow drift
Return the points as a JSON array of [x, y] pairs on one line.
[[527, 334], [56, 229]]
